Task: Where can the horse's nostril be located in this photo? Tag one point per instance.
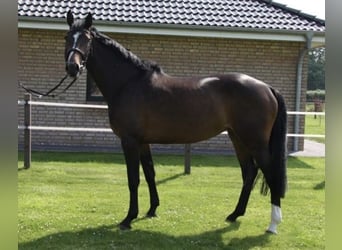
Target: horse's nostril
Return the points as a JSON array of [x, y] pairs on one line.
[[72, 68]]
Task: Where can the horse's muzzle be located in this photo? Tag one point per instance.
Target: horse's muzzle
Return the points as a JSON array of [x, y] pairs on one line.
[[73, 69]]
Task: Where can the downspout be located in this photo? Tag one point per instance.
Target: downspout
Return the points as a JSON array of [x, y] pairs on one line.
[[302, 54]]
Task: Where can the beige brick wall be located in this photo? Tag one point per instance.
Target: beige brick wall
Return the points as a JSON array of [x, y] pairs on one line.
[[41, 66]]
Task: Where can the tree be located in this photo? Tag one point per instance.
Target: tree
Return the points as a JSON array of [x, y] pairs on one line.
[[316, 68]]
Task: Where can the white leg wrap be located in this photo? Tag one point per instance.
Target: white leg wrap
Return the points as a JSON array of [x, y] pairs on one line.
[[275, 219]]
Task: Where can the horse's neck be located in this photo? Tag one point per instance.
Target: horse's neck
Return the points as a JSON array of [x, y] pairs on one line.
[[109, 70]]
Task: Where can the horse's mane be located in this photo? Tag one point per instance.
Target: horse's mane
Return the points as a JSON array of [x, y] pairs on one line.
[[141, 64]]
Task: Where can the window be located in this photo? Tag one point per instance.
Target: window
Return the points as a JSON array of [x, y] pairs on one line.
[[93, 93]]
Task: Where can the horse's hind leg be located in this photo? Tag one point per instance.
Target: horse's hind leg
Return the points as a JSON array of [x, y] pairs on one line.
[[147, 164], [249, 172], [263, 159]]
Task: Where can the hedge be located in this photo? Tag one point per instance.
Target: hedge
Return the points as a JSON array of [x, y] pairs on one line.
[[312, 95]]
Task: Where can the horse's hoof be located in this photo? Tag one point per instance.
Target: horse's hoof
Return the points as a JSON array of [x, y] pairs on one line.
[[271, 232], [151, 215], [151, 212], [272, 228], [124, 227], [231, 218]]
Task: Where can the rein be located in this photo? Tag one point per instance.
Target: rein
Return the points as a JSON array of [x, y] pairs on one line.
[[48, 94]]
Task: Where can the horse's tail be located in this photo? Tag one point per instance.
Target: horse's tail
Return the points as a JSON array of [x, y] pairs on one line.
[[278, 148]]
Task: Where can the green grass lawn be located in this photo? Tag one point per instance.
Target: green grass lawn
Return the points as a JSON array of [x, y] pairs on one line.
[[314, 125], [75, 200]]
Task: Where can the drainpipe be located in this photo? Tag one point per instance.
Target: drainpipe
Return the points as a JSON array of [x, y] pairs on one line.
[[302, 54]]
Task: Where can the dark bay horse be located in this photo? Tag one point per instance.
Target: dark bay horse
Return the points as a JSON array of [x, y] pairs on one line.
[[147, 106]]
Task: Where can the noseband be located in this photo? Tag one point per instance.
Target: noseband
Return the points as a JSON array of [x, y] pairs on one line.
[[84, 58], [84, 55]]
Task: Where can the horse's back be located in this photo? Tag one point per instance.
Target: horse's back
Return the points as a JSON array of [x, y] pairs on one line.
[[232, 94]]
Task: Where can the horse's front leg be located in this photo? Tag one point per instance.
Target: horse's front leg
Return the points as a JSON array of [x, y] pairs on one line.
[[131, 151], [147, 164]]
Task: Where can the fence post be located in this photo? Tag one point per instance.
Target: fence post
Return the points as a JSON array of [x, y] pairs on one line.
[[27, 131], [187, 159]]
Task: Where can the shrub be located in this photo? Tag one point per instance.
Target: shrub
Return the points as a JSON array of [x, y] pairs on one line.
[[312, 95]]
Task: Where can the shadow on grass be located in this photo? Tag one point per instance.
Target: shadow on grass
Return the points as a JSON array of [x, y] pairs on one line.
[[171, 178], [319, 186], [159, 159], [74, 157], [22, 169], [295, 162], [109, 237]]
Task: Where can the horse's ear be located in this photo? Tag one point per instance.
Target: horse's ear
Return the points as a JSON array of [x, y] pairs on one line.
[[88, 21], [70, 18]]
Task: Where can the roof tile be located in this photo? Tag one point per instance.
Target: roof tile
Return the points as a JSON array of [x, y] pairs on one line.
[[252, 14]]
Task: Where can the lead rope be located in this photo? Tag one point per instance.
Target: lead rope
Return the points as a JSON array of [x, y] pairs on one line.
[[40, 94]]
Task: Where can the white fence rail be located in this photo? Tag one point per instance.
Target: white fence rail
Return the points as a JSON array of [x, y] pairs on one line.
[[90, 106], [27, 127], [21, 127]]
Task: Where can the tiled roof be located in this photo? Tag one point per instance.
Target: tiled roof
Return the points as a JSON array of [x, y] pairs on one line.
[[238, 14]]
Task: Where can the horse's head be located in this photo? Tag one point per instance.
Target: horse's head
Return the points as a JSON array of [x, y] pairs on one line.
[[77, 44]]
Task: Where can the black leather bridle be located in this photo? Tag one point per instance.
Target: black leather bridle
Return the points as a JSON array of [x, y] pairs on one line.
[[84, 56]]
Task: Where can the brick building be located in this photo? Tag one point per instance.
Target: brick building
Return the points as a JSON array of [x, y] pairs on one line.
[[263, 39]]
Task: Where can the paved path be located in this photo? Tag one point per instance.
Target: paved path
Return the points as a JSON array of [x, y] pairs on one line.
[[311, 149]]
